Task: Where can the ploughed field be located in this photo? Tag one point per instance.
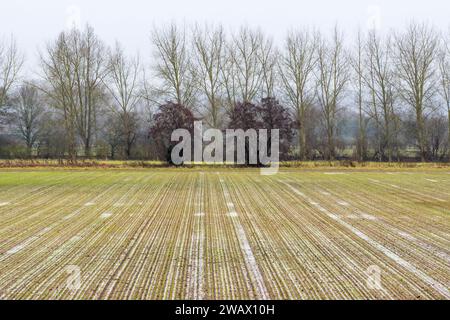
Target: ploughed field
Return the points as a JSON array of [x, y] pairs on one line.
[[226, 234]]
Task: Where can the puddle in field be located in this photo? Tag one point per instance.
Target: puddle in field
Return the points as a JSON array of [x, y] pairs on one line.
[[15, 249], [4, 204], [407, 236], [105, 215], [368, 216], [75, 238], [88, 204], [199, 214], [232, 214], [360, 216], [21, 246], [69, 216]]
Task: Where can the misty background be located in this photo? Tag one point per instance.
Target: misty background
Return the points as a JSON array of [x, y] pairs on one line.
[[34, 23]]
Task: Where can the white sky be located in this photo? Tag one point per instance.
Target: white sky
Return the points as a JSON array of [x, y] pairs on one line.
[[35, 22]]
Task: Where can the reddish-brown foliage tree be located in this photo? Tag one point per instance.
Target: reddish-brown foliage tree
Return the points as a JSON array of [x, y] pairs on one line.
[[273, 115], [170, 116], [244, 116], [269, 114]]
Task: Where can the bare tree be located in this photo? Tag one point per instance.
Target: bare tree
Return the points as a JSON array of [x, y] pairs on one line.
[[357, 63], [444, 73], [415, 63], [436, 134], [90, 68], [380, 81], [268, 56], [209, 47], [332, 78], [73, 68], [28, 109], [112, 133], [242, 73], [173, 65], [122, 83], [296, 72], [59, 86], [11, 61]]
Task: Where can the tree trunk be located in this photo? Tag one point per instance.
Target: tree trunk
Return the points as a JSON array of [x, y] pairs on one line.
[[87, 148], [301, 131], [448, 138], [421, 136], [128, 151], [330, 144], [72, 145], [388, 138], [29, 150], [362, 137], [303, 152]]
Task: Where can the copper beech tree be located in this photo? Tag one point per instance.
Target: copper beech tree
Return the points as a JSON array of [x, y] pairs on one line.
[[169, 117]]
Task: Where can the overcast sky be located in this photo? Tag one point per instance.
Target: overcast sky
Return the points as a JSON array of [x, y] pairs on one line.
[[34, 22]]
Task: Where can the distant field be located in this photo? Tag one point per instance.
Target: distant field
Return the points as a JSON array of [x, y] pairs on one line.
[[137, 164], [224, 234]]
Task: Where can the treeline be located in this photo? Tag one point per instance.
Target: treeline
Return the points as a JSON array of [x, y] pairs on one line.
[[383, 97]]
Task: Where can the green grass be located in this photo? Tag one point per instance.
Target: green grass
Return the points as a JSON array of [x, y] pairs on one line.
[[221, 233]]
